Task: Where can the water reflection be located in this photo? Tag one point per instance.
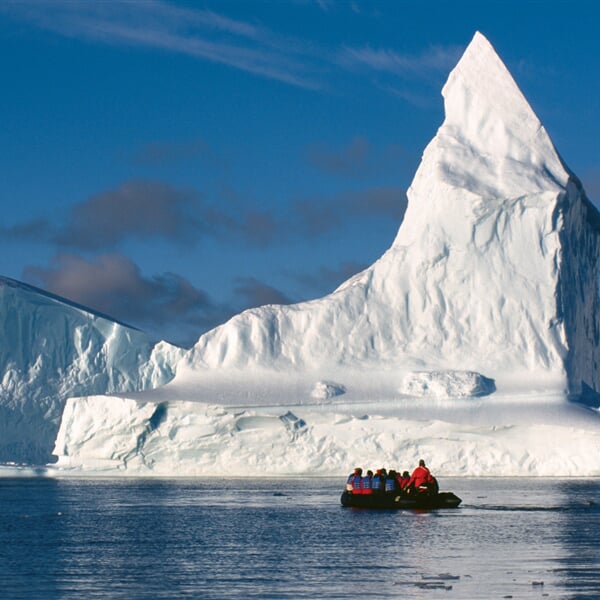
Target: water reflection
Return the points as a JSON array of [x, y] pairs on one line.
[[27, 531], [579, 572], [292, 539]]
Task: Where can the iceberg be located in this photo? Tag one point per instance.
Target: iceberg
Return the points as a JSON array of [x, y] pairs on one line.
[[51, 349], [447, 384], [473, 341]]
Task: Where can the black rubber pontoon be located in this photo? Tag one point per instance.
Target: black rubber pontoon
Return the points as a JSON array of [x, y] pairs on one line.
[[397, 501]]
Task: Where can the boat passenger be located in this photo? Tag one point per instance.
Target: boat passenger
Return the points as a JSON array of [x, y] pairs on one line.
[[391, 485], [403, 480], [378, 482], [366, 483], [354, 480], [421, 479]]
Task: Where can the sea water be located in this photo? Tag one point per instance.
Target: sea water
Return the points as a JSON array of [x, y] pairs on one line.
[[291, 538]]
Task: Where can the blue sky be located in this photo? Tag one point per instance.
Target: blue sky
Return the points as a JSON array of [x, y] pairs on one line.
[[172, 163]]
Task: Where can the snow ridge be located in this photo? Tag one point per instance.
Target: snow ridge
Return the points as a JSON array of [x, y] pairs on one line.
[[51, 349]]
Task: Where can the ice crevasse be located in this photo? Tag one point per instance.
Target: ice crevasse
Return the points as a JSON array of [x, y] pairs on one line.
[[474, 340]]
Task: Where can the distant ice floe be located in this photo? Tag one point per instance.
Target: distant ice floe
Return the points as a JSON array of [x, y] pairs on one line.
[[447, 384], [324, 390]]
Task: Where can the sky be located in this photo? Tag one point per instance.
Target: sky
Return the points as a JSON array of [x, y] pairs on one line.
[[172, 163]]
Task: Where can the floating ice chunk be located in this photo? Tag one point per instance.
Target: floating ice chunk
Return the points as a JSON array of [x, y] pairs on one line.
[[292, 422], [323, 390], [447, 384]]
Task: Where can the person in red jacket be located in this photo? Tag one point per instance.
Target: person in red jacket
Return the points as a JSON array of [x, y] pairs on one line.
[[403, 480], [421, 479]]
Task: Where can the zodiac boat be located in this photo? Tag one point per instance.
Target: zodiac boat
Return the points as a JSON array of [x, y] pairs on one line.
[[415, 500]]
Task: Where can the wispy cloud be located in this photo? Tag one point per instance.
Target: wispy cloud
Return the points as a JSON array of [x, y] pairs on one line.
[[207, 35], [417, 96], [410, 77], [435, 59], [154, 24]]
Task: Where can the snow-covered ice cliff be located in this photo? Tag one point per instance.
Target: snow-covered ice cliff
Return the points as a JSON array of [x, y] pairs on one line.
[[494, 269], [51, 349], [464, 342]]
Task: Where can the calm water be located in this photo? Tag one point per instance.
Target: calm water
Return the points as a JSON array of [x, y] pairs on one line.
[[258, 539]]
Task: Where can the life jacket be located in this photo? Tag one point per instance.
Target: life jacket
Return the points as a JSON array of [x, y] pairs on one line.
[[391, 484], [366, 484], [377, 483], [353, 483]]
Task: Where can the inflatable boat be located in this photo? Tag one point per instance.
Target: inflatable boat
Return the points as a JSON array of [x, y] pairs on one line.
[[414, 501]]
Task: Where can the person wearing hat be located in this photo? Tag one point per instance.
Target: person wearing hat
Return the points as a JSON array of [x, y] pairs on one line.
[[366, 483], [378, 482], [353, 484]]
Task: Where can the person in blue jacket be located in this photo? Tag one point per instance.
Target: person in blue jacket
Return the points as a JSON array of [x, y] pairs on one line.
[[378, 482], [366, 483], [353, 484], [391, 483]]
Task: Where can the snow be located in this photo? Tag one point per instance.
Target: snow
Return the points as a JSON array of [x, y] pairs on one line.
[[324, 390], [112, 436], [51, 349], [447, 384], [471, 342]]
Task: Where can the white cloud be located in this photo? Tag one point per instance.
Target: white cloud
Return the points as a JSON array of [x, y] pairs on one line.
[[435, 59], [155, 24], [210, 36]]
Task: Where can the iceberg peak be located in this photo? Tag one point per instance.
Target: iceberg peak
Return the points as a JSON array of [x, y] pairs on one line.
[[486, 109], [490, 150]]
